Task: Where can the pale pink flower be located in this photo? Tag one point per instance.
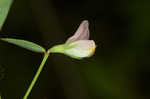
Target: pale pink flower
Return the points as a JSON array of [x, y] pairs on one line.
[[78, 45]]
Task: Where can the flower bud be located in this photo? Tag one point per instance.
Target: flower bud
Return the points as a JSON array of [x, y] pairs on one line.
[[78, 46]]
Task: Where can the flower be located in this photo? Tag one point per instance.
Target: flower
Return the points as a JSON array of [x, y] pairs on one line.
[[77, 46]]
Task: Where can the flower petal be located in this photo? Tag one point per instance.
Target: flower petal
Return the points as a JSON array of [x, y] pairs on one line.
[[83, 48], [82, 33]]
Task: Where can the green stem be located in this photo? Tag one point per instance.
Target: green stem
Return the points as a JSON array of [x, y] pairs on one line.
[[36, 76]]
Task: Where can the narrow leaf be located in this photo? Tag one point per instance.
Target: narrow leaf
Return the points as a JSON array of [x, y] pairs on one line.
[[4, 9], [25, 44]]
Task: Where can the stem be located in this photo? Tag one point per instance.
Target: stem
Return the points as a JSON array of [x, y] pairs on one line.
[[36, 76]]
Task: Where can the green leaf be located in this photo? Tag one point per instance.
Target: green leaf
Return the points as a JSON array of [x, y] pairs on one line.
[[25, 44], [4, 9]]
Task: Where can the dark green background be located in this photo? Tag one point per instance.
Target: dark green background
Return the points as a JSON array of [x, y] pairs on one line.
[[119, 68]]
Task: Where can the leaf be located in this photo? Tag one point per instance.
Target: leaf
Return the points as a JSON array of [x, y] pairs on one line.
[[25, 44], [4, 9]]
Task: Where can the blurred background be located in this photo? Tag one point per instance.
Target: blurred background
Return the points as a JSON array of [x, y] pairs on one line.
[[119, 68]]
